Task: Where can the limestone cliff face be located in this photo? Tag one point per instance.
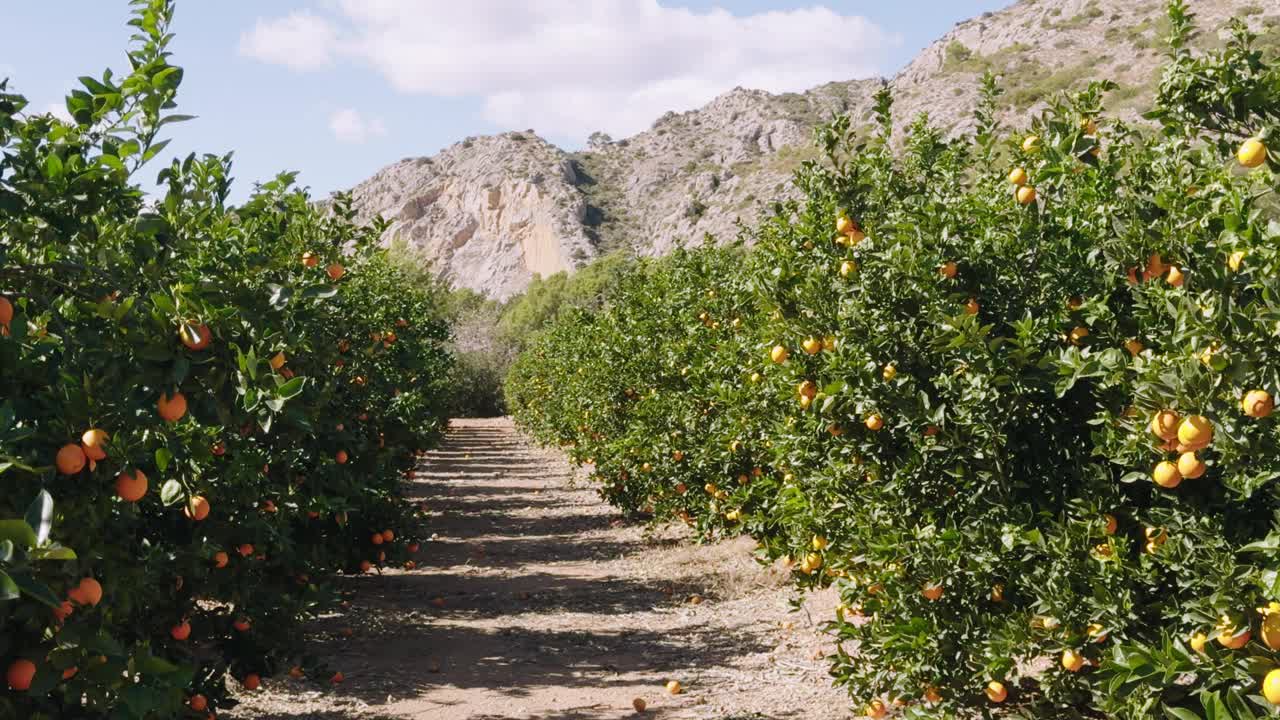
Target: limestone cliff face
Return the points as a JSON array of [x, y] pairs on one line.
[[491, 212], [488, 212]]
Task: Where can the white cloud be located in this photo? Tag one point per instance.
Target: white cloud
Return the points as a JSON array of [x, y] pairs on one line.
[[301, 41], [566, 68], [350, 126]]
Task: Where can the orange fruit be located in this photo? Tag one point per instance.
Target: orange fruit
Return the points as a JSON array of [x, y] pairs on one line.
[[931, 695], [335, 271], [1164, 425], [376, 539], [221, 559], [341, 457], [1026, 195], [1018, 176], [245, 550], [971, 307], [1072, 661], [20, 674], [131, 486], [388, 536], [1252, 153], [996, 691], [1111, 524], [673, 687], [1195, 431], [198, 703], [70, 672], [1077, 334], [932, 592], [365, 566], [92, 442], [251, 682], [639, 704], [1229, 639], [1190, 466], [88, 592], [876, 709], [1175, 276], [197, 508], [295, 672], [874, 422], [1166, 475], [70, 460], [413, 547], [1031, 144], [310, 259], [808, 389], [337, 678], [948, 270], [195, 336], [1134, 346], [1257, 403], [811, 345], [6, 312], [277, 361], [63, 611], [242, 624], [181, 631], [172, 408]]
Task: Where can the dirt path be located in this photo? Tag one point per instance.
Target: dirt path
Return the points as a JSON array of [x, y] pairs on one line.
[[554, 609]]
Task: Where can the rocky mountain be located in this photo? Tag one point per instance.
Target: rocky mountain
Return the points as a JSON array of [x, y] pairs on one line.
[[490, 212]]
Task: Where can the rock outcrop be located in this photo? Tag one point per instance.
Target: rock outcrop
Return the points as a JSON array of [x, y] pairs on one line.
[[491, 212]]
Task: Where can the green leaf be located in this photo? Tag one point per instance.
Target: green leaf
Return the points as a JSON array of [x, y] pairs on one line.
[[36, 590], [171, 492], [56, 552], [163, 457], [8, 588], [40, 517], [1176, 713], [18, 532], [320, 291], [292, 388]]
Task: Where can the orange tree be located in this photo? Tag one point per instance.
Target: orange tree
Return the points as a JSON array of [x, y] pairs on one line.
[[1014, 400], [212, 405]]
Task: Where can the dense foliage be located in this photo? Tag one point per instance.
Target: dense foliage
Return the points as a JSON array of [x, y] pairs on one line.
[[1013, 396], [211, 406]]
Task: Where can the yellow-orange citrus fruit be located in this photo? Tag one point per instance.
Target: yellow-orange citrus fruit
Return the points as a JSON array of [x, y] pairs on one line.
[[1198, 641], [996, 691], [1134, 346], [779, 354], [131, 486], [221, 559], [1072, 661], [1031, 144], [932, 592], [811, 345], [340, 457], [1270, 630], [1190, 466], [1257, 403], [92, 442], [70, 459], [971, 307], [1235, 259], [931, 695], [195, 336], [278, 360], [1026, 195], [876, 709], [335, 271], [310, 259], [639, 704], [847, 268], [198, 703], [1230, 639], [181, 631], [1195, 431], [1166, 475], [1111, 524], [1252, 153], [197, 508], [20, 674], [172, 408], [948, 270], [251, 681], [1018, 176], [673, 687], [1271, 687], [874, 422], [88, 592], [1175, 277], [1164, 424]]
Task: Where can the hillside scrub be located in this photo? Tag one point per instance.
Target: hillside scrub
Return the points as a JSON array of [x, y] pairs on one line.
[[1012, 393], [205, 410]]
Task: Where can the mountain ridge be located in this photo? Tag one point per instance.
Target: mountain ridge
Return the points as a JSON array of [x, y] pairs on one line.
[[490, 212]]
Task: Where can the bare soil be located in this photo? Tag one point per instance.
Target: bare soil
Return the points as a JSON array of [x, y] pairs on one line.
[[554, 608]]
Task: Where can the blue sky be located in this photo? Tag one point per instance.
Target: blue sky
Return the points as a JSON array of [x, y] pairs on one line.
[[339, 88]]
